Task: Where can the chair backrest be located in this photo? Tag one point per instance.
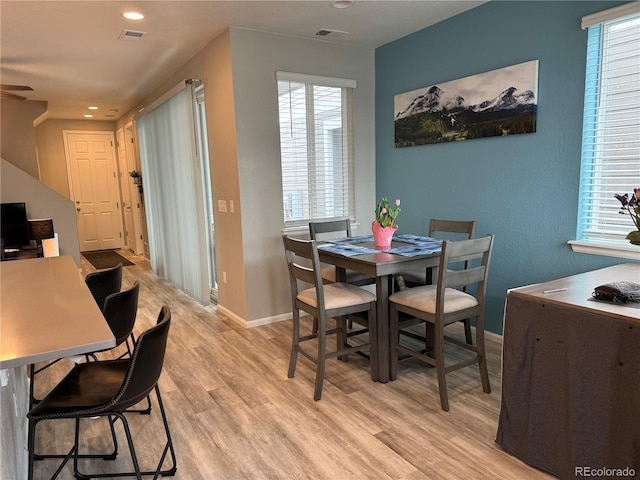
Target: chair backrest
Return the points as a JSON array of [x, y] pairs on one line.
[[474, 271], [341, 227], [453, 226], [103, 283], [296, 250], [120, 310], [146, 363]]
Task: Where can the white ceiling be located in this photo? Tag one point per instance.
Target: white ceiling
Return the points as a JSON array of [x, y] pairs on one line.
[[70, 54]]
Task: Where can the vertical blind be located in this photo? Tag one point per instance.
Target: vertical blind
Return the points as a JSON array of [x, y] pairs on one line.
[[611, 128], [316, 146], [173, 194]]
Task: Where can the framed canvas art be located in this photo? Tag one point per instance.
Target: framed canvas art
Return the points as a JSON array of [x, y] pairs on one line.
[[496, 103]]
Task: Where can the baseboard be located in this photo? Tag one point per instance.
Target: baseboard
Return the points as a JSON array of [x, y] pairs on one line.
[[252, 323], [287, 316]]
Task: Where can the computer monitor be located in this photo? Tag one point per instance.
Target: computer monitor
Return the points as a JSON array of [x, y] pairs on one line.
[[15, 230]]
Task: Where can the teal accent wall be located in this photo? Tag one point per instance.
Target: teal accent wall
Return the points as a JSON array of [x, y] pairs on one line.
[[522, 188]]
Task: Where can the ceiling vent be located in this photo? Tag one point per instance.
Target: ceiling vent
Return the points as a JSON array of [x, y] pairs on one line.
[[131, 35], [325, 32]]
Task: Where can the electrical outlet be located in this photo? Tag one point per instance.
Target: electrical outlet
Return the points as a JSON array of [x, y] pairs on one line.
[[231, 206], [222, 206], [224, 277]]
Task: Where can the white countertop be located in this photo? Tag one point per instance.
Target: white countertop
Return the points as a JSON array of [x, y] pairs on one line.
[[576, 290], [47, 312]]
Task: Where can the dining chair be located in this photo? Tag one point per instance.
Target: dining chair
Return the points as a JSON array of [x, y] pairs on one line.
[[323, 301], [119, 309], [103, 283], [443, 304], [333, 229], [443, 228], [108, 388]]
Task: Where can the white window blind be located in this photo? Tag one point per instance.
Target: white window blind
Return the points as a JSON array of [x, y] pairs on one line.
[[173, 196], [316, 147], [611, 128]]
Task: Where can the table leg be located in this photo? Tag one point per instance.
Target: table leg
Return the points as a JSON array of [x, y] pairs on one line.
[[383, 287]]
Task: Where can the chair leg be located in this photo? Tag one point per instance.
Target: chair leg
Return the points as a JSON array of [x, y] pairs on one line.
[[341, 337], [295, 340], [322, 357], [482, 365], [30, 447], [169, 446], [134, 458], [138, 473], [107, 456], [467, 331], [438, 351]]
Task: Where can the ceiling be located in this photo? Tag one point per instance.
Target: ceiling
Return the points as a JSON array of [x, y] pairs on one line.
[[70, 53]]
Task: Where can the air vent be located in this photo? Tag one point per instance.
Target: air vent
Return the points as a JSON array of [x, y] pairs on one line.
[[131, 35], [325, 32]]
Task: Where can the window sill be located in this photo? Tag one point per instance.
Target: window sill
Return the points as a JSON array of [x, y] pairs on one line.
[[607, 249], [297, 230]]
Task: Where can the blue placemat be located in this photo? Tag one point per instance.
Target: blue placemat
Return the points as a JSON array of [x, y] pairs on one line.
[[415, 250], [417, 239], [357, 239], [346, 249]]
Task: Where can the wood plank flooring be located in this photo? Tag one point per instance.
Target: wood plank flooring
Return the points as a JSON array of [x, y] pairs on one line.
[[234, 414]]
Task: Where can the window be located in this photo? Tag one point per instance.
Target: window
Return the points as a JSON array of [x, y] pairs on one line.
[[611, 125], [316, 147]]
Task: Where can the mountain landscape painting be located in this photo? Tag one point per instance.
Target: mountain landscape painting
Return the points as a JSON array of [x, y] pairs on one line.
[[496, 103]]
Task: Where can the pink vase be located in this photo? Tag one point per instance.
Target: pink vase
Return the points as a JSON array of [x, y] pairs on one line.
[[382, 235]]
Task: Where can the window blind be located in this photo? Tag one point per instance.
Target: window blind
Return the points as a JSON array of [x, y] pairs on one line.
[[173, 196], [316, 147], [611, 128]]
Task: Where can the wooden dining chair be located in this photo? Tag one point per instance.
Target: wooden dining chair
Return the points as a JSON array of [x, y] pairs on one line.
[[322, 302], [445, 229], [333, 229], [444, 304]]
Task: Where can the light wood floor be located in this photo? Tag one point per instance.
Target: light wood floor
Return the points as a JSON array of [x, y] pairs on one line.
[[234, 414]]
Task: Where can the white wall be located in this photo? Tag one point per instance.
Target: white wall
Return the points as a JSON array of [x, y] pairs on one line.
[[42, 202], [238, 71], [256, 56]]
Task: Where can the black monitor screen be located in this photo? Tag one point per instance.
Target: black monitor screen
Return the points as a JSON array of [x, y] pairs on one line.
[[15, 231]]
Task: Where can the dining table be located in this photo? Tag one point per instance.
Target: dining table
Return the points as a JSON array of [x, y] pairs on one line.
[[48, 313], [359, 253]]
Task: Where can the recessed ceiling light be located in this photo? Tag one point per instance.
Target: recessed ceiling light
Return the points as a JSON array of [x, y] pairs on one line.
[[341, 3], [133, 15], [92, 108], [88, 116]]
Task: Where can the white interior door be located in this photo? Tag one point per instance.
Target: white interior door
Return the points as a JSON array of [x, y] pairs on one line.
[[126, 183], [94, 188]]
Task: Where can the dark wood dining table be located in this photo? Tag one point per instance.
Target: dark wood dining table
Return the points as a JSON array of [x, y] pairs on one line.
[[383, 266]]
